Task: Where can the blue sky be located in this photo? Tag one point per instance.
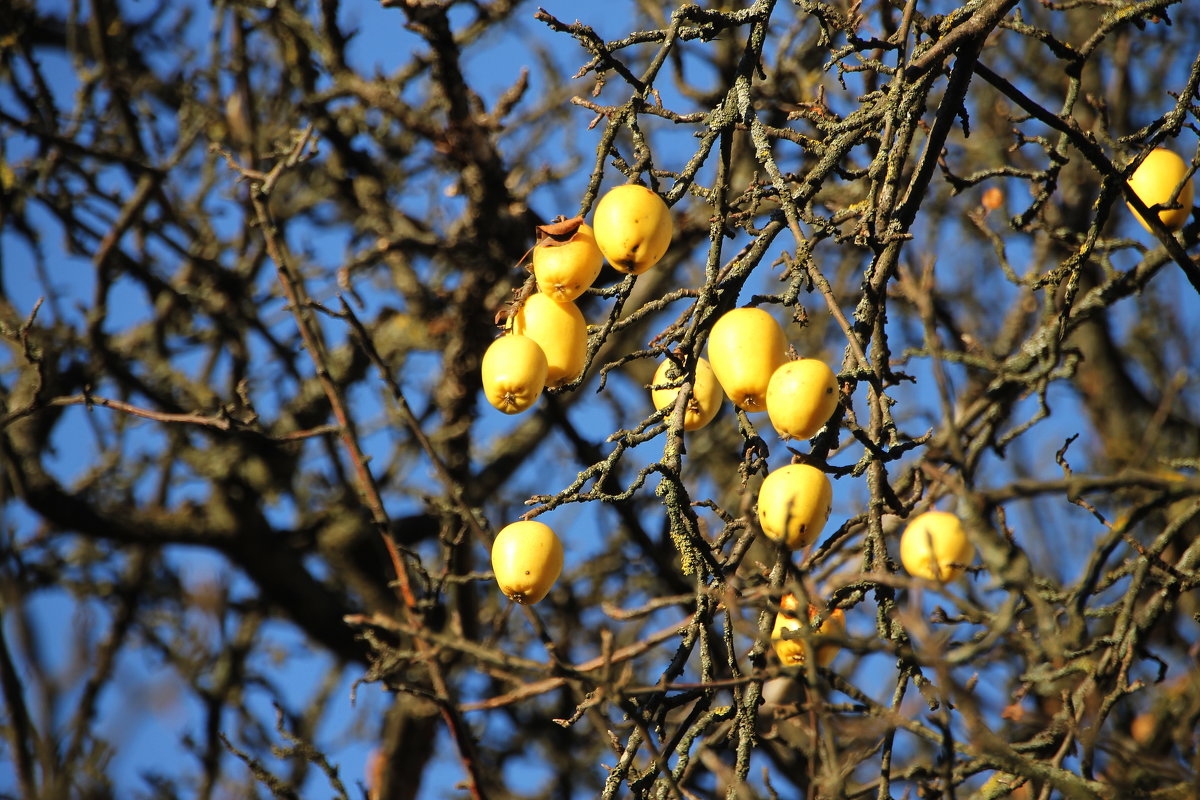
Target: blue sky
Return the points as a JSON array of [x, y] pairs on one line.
[[149, 711]]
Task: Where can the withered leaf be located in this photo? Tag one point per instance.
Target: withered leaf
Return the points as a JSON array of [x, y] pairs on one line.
[[558, 232]]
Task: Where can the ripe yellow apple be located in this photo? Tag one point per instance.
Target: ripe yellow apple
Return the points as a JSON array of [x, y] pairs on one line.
[[745, 347], [514, 373], [794, 652], [801, 397], [935, 547], [794, 503], [633, 227], [1154, 182], [561, 332], [527, 558], [565, 270], [704, 402]]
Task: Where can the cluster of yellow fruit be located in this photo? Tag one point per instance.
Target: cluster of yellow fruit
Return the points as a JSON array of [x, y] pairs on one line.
[[1155, 181], [795, 652], [546, 342], [934, 547], [794, 501], [748, 362], [545, 346]]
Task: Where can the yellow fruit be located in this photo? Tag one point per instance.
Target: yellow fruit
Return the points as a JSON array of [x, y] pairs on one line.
[[527, 558], [934, 546], [1143, 728], [514, 372], [565, 270], [1154, 182], [794, 652], [794, 504], [801, 397], [633, 227], [745, 348], [706, 397], [560, 330]]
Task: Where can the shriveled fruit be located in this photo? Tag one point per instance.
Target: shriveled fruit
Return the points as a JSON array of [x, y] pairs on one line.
[[1143, 728], [794, 503], [514, 373], [1154, 182], [704, 402], [993, 198], [527, 558], [745, 348], [801, 396], [934, 546], [633, 227], [565, 269], [794, 651], [561, 332]]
